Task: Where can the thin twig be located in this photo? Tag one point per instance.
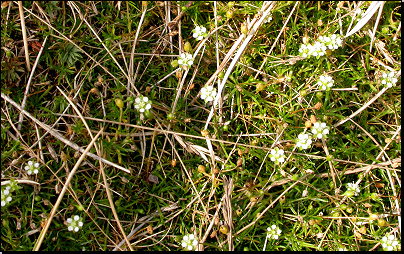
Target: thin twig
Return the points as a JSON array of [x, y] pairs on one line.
[[24, 34]]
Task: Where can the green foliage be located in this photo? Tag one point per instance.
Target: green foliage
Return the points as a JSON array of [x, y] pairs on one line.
[[270, 97]]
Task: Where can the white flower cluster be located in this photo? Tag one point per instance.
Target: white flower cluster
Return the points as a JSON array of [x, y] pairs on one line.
[[325, 82], [185, 60], [199, 33], [389, 243], [277, 155], [352, 189], [74, 224], [319, 47], [389, 79], [6, 196], [142, 103], [333, 42], [273, 232], [189, 242], [303, 141], [32, 168], [320, 130], [208, 93]]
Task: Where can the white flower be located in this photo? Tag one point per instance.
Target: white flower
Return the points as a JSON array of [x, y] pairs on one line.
[[189, 242], [199, 32], [74, 224], [268, 18], [359, 13], [273, 232], [353, 188], [208, 93], [6, 196], [389, 243], [142, 103], [342, 249], [277, 155], [320, 130], [303, 141], [325, 82], [389, 79], [185, 59], [32, 168]]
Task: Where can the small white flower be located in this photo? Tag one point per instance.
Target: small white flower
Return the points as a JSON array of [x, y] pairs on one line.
[[189, 242], [389, 79], [273, 232], [142, 103], [74, 224], [320, 130], [185, 60], [277, 155], [6, 196], [268, 18], [353, 187], [303, 141], [208, 93], [389, 243], [325, 82], [32, 168], [199, 33]]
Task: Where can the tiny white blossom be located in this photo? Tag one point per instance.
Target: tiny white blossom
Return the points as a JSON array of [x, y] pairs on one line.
[[325, 82], [277, 155], [303, 141], [185, 60], [6, 196], [32, 168], [352, 188], [273, 232], [142, 103], [268, 18], [74, 224], [320, 130], [389, 243], [189, 242], [199, 33], [208, 93], [389, 79]]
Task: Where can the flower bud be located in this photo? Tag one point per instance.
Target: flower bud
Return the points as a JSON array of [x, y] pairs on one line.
[[187, 47], [244, 29], [229, 14], [223, 229], [201, 169], [119, 103], [174, 63]]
